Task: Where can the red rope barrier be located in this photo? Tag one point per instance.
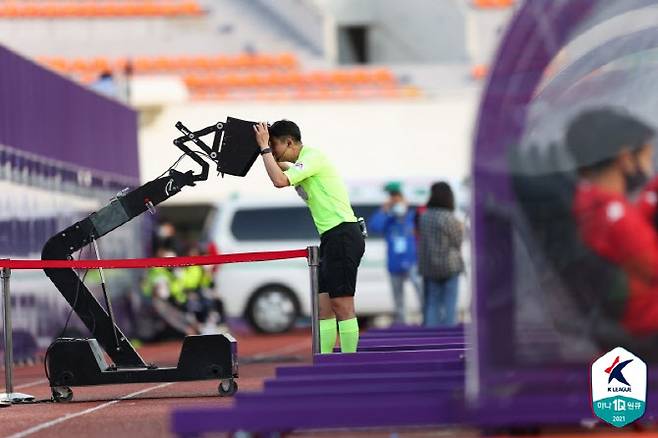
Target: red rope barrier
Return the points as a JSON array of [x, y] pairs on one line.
[[168, 262]]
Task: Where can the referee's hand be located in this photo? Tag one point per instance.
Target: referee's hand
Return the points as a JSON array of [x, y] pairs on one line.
[[262, 135]]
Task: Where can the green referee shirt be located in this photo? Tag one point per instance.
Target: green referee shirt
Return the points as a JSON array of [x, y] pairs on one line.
[[317, 182]]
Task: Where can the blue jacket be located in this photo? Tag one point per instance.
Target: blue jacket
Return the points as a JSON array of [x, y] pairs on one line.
[[400, 238]]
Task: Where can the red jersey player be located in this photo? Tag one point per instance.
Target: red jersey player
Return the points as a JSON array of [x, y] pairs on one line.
[[613, 153]]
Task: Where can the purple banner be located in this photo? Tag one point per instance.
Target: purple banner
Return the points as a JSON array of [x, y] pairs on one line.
[[53, 117]]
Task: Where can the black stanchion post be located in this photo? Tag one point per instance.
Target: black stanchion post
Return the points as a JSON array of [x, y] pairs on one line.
[[313, 265], [9, 396]]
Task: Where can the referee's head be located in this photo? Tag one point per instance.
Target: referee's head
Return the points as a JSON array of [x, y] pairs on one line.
[[285, 140]]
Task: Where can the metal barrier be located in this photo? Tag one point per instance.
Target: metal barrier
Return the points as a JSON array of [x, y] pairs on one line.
[[10, 397]]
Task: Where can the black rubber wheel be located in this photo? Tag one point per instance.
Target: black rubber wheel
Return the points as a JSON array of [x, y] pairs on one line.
[[227, 388], [272, 309], [62, 394]]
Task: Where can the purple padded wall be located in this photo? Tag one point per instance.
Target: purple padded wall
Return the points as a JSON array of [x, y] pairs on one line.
[[46, 114]]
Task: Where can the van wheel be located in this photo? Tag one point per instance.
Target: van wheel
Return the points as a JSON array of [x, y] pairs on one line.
[[272, 309]]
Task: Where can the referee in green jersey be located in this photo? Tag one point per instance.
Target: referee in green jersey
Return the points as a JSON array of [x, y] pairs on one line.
[[289, 163]]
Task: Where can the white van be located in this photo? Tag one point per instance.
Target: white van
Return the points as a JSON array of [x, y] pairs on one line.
[[272, 295]]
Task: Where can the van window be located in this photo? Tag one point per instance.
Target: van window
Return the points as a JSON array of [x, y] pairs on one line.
[[283, 223]]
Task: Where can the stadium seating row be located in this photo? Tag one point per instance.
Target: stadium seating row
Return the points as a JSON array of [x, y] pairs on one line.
[[172, 64], [308, 94], [318, 79], [491, 4], [99, 9]]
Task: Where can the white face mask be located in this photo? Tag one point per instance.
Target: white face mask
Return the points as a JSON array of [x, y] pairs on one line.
[[399, 209]]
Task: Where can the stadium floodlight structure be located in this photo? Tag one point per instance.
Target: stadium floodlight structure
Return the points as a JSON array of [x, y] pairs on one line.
[[81, 362]]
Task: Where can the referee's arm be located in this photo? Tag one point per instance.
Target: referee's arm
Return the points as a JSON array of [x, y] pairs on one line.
[[274, 171], [279, 179]]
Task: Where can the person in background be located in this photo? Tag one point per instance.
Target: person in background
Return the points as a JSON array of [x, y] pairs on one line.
[[163, 291], [106, 85], [164, 235], [439, 257], [396, 221], [210, 248], [197, 285]]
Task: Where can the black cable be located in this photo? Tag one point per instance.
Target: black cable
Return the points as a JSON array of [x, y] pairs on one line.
[[68, 318], [172, 166]]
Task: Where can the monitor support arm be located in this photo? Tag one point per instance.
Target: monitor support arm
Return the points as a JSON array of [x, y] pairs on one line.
[[121, 209]]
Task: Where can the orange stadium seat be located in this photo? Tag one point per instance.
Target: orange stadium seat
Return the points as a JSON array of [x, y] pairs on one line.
[[98, 8], [216, 62], [190, 8], [30, 10], [86, 10], [266, 61], [87, 78], [100, 64], [340, 77], [249, 80], [489, 4], [49, 10], [8, 10], [294, 79], [150, 9], [316, 79], [244, 61], [120, 64], [80, 65], [161, 64], [66, 10], [230, 81], [167, 9], [275, 79], [479, 71], [383, 77], [143, 64], [360, 76], [286, 60], [201, 62]]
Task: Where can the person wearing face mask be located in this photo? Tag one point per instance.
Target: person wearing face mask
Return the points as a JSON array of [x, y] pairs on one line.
[[396, 221], [164, 295], [289, 162], [613, 153]]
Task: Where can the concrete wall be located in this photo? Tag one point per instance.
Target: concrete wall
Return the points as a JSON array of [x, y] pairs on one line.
[[413, 31]]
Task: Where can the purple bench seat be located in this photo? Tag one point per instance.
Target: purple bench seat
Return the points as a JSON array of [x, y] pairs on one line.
[[391, 356], [370, 368], [411, 340], [406, 347], [410, 409], [385, 387], [348, 379]]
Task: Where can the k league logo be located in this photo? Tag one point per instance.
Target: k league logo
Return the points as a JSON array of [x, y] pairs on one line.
[[619, 387]]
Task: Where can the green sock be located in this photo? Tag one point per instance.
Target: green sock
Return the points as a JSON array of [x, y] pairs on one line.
[[327, 335], [349, 335]]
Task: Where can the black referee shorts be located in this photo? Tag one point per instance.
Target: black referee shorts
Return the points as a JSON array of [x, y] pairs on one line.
[[341, 250]]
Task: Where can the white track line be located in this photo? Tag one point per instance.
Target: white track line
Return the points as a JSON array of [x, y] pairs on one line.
[[27, 385], [288, 349], [283, 350], [35, 383], [56, 421]]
